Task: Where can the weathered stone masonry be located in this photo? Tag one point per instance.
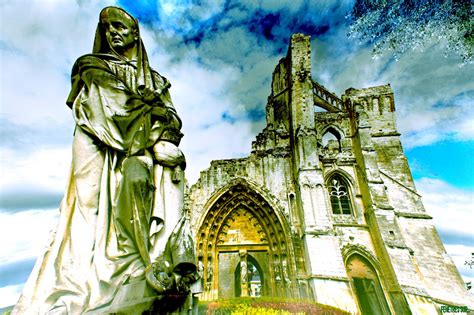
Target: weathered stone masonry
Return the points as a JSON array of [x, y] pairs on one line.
[[324, 208]]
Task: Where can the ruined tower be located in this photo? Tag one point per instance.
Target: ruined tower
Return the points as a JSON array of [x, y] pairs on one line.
[[324, 208]]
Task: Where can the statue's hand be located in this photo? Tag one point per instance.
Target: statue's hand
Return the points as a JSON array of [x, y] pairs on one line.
[[168, 154], [159, 276]]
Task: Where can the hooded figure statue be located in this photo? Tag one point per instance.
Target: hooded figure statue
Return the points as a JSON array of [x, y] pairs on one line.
[[122, 241]]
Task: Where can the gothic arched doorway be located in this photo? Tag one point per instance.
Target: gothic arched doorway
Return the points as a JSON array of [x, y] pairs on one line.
[[241, 229], [366, 286]]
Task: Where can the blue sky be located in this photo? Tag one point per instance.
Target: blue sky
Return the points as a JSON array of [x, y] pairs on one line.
[[457, 167], [219, 57]]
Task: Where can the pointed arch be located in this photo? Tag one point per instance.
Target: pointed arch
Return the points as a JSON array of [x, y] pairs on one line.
[[238, 217], [331, 138], [334, 130], [255, 281], [351, 249], [363, 271], [251, 186], [342, 173]]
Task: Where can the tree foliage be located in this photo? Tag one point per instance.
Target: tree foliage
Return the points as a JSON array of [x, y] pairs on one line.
[[402, 25]]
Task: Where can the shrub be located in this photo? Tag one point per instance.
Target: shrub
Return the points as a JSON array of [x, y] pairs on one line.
[[266, 306]]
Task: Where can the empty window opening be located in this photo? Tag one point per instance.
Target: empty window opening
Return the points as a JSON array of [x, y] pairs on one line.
[[332, 140]]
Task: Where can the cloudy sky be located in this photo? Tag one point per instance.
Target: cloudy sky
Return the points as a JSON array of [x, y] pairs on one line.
[[219, 56]]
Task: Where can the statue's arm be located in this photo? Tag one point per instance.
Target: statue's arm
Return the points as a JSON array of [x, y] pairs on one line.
[[165, 109], [166, 134], [165, 118]]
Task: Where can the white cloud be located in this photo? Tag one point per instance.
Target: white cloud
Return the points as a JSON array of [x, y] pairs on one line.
[[453, 214], [33, 91], [433, 93], [35, 83], [41, 41], [200, 95], [9, 295], [323, 7], [57, 40], [465, 129], [44, 168], [208, 83], [426, 125], [37, 55], [433, 97], [24, 235], [460, 255], [451, 207], [180, 17], [273, 5]]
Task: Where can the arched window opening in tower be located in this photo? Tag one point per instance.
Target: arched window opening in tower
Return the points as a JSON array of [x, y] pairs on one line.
[[332, 140]]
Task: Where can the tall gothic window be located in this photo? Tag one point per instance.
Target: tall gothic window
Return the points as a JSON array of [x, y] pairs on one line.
[[339, 193]]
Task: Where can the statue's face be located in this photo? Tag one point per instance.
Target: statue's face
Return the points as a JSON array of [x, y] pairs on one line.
[[119, 30]]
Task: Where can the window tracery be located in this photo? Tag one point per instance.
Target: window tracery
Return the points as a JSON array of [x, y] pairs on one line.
[[339, 194]]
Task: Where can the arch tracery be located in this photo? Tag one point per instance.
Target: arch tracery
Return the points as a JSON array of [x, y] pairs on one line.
[[241, 220]]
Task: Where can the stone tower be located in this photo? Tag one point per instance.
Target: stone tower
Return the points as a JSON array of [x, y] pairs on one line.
[[324, 208]]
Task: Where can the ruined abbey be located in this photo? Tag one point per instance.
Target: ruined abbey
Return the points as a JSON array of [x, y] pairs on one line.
[[324, 208]]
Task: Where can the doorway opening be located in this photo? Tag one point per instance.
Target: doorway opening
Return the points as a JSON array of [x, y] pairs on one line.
[[248, 278]]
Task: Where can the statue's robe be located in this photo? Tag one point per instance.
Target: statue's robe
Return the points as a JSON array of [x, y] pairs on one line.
[[108, 225]]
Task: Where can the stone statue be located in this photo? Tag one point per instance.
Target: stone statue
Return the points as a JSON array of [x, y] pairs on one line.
[[209, 271], [243, 271], [122, 243], [286, 276]]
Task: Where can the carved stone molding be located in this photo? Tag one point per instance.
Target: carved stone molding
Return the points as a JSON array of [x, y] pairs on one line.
[[350, 249]]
